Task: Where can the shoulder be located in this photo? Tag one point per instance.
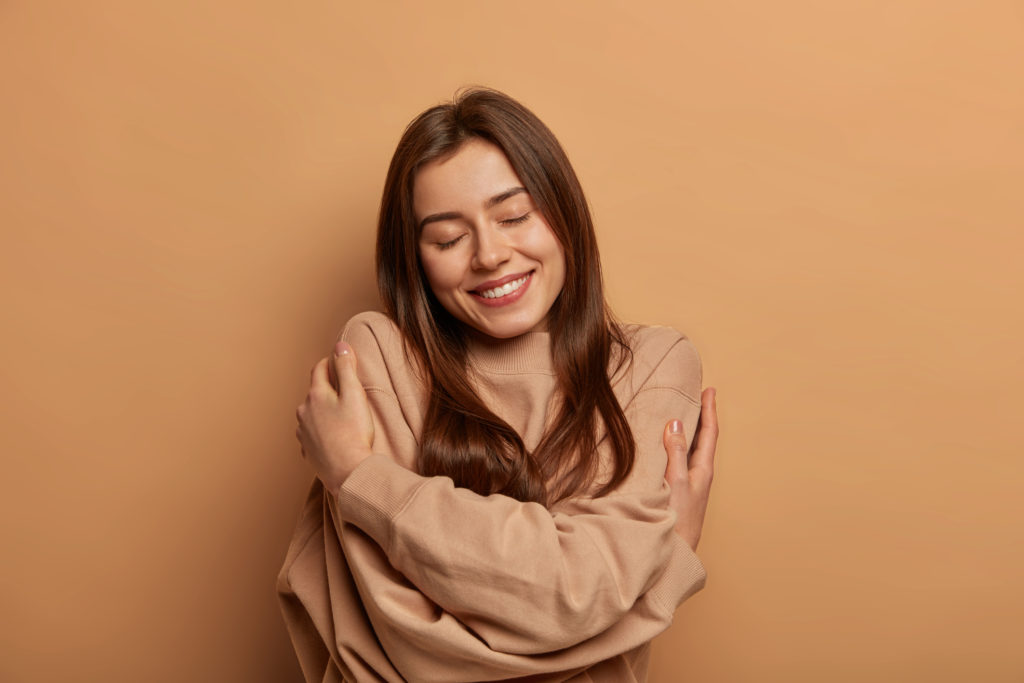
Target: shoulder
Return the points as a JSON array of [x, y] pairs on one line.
[[370, 331], [380, 352], [663, 357]]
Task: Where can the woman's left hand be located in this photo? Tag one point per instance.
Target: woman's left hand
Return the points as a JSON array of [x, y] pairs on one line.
[[335, 424]]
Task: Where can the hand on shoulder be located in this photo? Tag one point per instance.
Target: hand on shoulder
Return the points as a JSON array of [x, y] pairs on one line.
[[335, 427], [689, 475]]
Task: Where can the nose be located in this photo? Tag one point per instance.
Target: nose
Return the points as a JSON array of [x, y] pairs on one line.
[[492, 248]]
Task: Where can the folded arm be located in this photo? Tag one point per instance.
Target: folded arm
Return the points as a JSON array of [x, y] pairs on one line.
[[512, 578], [428, 643]]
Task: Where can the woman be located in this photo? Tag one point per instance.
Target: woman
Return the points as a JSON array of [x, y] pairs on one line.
[[490, 501]]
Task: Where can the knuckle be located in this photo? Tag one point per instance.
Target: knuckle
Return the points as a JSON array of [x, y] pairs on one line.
[[706, 477], [319, 393], [677, 479]]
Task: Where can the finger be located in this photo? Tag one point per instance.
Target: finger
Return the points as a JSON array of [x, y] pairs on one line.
[[345, 367], [332, 370], [321, 383], [703, 457], [675, 448]]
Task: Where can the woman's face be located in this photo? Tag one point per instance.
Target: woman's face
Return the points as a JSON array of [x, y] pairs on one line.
[[490, 257]]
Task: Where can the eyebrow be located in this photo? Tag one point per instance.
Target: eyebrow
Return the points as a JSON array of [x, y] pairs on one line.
[[493, 201]]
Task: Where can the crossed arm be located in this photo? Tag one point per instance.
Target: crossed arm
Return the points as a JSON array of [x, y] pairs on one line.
[[506, 591]]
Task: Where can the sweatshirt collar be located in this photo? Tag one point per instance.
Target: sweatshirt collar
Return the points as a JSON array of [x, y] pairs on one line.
[[530, 352]]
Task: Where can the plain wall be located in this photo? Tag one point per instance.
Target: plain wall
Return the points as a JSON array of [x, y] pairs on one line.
[[826, 197]]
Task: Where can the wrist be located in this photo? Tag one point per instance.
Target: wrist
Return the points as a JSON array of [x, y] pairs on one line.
[[355, 460]]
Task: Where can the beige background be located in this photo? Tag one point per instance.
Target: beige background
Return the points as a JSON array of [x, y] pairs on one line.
[[826, 197]]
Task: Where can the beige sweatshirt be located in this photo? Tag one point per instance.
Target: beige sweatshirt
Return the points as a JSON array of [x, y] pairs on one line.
[[408, 578]]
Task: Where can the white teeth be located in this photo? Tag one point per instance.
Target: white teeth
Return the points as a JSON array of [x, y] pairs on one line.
[[505, 289]]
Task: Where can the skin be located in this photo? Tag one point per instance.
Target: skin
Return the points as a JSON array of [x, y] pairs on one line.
[[480, 225], [335, 423], [488, 238], [689, 475]]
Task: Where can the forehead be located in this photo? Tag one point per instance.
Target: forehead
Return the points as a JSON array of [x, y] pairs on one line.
[[465, 180]]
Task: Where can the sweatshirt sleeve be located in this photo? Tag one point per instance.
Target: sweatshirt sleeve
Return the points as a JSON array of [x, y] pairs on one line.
[[496, 580]]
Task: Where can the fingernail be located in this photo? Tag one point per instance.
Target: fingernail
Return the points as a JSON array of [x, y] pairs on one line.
[[675, 427], [341, 349]]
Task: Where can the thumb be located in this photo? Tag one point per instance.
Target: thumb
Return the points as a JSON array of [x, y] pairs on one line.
[[675, 448], [345, 368]]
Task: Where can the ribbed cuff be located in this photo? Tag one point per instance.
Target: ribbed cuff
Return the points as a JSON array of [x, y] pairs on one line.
[[373, 495], [684, 576]]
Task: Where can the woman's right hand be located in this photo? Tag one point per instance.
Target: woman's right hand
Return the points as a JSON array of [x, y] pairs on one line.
[[335, 422], [689, 478]]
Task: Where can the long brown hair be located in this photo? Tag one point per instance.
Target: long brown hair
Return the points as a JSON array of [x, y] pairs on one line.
[[462, 438]]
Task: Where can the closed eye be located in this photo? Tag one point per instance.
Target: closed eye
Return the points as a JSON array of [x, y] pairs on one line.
[[449, 244], [518, 220]]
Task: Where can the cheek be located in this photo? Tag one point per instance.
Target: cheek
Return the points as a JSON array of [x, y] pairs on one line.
[[552, 251], [440, 276]]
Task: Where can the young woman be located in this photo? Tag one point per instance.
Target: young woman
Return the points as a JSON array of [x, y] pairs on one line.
[[491, 499]]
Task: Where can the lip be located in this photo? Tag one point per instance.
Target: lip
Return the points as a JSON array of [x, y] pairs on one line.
[[508, 298], [491, 284]]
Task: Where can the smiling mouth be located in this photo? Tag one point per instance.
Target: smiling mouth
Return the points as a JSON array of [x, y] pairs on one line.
[[503, 290]]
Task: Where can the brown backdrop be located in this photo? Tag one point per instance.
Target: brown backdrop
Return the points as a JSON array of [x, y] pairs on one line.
[[825, 196]]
